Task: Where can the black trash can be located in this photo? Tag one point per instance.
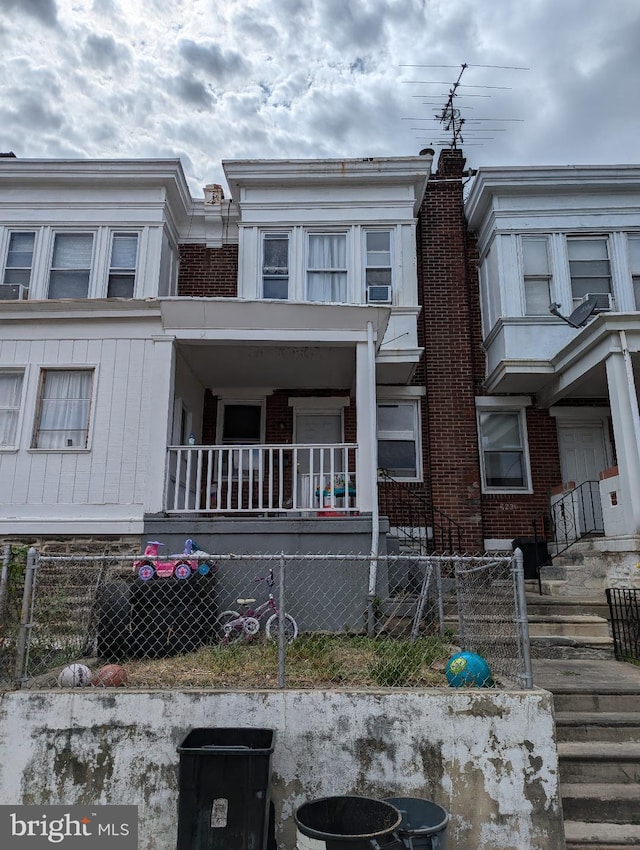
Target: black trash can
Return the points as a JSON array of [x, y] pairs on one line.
[[424, 824], [535, 554], [346, 823], [224, 792]]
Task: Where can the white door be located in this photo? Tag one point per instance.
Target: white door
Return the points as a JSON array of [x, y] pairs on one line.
[[583, 456], [314, 428], [583, 453]]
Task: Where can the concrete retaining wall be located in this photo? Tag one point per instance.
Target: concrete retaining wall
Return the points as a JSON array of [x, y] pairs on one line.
[[488, 757]]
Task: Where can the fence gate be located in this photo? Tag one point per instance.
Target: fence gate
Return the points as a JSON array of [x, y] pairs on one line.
[[624, 607]]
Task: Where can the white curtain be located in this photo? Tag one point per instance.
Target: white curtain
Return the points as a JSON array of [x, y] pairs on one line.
[[326, 275], [10, 390], [64, 410]]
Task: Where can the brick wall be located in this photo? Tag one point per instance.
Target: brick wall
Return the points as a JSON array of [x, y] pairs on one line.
[[208, 272], [446, 256], [454, 371]]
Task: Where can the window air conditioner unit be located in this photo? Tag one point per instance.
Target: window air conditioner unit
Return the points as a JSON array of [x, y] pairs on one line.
[[604, 301], [12, 292], [379, 294]]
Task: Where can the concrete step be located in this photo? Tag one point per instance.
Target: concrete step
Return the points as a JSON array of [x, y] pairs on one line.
[[601, 803], [614, 726], [601, 836], [600, 762], [580, 701], [571, 625], [571, 647], [553, 605]]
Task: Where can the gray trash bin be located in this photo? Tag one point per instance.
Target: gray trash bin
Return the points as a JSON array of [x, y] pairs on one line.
[[346, 823], [424, 824]]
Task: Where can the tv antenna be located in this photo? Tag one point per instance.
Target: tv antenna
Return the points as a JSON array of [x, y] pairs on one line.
[[450, 116]]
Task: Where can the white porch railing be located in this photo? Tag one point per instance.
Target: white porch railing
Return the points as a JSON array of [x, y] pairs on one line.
[[262, 478]]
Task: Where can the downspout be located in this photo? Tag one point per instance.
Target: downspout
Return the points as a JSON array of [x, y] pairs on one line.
[[373, 461]]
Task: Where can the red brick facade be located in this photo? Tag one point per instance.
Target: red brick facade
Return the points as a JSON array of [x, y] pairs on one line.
[[208, 272]]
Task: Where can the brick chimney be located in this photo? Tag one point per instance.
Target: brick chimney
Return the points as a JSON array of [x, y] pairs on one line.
[[451, 163]]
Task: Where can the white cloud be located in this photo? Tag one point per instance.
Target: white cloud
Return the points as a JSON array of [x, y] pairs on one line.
[[209, 80]]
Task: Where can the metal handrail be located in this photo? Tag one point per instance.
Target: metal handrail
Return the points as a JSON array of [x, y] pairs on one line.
[[413, 514]]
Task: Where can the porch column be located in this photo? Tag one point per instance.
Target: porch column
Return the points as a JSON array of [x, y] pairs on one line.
[[159, 416], [366, 480], [626, 429]]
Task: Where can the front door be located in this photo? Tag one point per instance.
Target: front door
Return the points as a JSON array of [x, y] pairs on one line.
[[314, 428], [583, 456]]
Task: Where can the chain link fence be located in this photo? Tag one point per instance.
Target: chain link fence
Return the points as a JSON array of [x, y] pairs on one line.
[[264, 621], [12, 573]]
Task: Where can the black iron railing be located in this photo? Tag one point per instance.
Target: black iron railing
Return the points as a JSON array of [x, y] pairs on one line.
[[624, 608], [417, 522], [576, 514]]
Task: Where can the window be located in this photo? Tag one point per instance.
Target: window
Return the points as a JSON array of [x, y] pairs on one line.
[[71, 265], [378, 265], [241, 423], [17, 270], [634, 262], [590, 270], [63, 416], [275, 265], [122, 269], [327, 267], [502, 450], [10, 393], [398, 439], [537, 277]]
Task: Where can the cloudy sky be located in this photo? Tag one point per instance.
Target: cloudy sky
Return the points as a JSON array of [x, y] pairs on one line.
[[208, 80]]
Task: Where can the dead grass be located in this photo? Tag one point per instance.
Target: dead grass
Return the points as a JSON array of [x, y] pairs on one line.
[[312, 661]]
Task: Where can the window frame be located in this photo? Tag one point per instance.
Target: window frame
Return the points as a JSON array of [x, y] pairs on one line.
[[18, 371], [570, 238], [347, 271], [121, 271], [488, 406], [531, 278], [272, 235], [44, 371], [92, 262], [10, 232], [366, 267], [415, 436], [634, 274]]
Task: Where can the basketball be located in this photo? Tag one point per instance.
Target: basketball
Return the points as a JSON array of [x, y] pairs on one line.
[[468, 670], [74, 676], [110, 676]]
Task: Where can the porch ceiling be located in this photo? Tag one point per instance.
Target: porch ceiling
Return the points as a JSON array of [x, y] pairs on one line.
[[270, 364]]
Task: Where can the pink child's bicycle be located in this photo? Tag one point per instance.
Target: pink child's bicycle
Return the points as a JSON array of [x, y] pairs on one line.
[[233, 626]]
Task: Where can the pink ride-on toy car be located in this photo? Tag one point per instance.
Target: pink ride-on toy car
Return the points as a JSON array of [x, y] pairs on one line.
[[181, 566]]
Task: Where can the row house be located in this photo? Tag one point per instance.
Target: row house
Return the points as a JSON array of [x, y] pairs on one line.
[[336, 350]]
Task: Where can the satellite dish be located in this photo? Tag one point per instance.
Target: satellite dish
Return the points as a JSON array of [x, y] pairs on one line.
[[580, 315]]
